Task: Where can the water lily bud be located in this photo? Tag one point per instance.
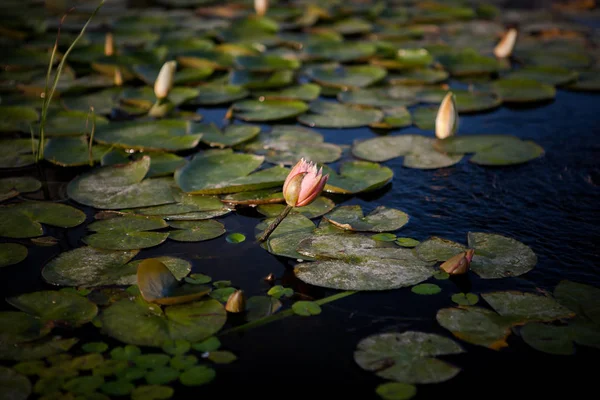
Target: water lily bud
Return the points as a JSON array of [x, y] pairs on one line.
[[261, 7], [303, 184], [506, 45], [446, 120], [118, 77], [270, 278], [164, 82], [459, 264], [236, 302], [109, 45]]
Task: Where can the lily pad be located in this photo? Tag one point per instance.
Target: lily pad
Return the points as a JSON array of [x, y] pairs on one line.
[[285, 238], [71, 123], [197, 376], [217, 94], [104, 101], [508, 154], [467, 101], [12, 253], [424, 117], [320, 206], [335, 75], [36, 350], [526, 306], [357, 177], [393, 96], [195, 231], [19, 327], [381, 219], [17, 118], [396, 391], [356, 262], [73, 151], [126, 233], [438, 249], [498, 256], [339, 51], [257, 80], [268, 110], [326, 114], [158, 135], [15, 153], [23, 220], [469, 62], [550, 75], [120, 186], [419, 76], [408, 357], [465, 299], [146, 325], [223, 171], [548, 338], [88, 267], [13, 186], [164, 164], [257, 197], [580, 298], [587, 81], [58, 307], [426, 289], [268, 62], [258, 307], [231, 136], [522, 90], [384, 148], [14, 386], [306, 308]]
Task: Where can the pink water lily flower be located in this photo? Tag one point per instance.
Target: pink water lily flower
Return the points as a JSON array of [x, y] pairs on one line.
[[303, 184]]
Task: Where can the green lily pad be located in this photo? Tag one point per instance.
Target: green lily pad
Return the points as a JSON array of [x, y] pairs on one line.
[[88, 267], [20, 327], [221, 357], [23, 220], [17, 118], [548, 338], [355, 262], [104, 101], [384, 237], [357, 177], [393, 96], [117, 388], [161, 375], [14, 386], [467, 101], [394, 118], [352, 26], [333, 115], [426, 289], [306, 308], [338, 76], [164, 164], [279, 291], [408, 357], [339, 51], [320, 206], [266, 63], [65, 308], [15, 153], [465, 299], [211, 344], [183, 362], [550, 75], [285, 238], [195, 231], [231, 136], [235, 238], [12, 253], [223, 171], [150, 135], [304, 92], [419, 76], [94, 347], [197, 376], [268, 110], [522, 90], [381, 219], [13, 186], [508, 154], [187, 203], [587, 81], [469, 62], [120, 186], [407, 242], [145, 325], [257, 80], [384, 148], [438, 249], [396, 391], [140, 100], [475, 143], [258, 307], [73, 151], [424, 117], [217, 94], [83, 384], [526, 306], [571, 58], [152, 392], [35, 350], [579, 298], [126, 233], [71, 123], [498, 256], [257, 197]]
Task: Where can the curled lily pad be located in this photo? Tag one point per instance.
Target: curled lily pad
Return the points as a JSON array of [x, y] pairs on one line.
[[356, 177], [268, 110], [332, 115], [146, 325], [126, 233], [195, 231], [381, 219], [550, 75], [14, 385], [408, 357], [356, 262], [335, 75], [73, 151], [287, 144], [13, 186], [151, 135], [120, 186], [522, 90], [222, 171], [438, 249], [17, 118], [12, 253], [15, 153], [23, 220], [498, 256], [58, 307], [393, 96], [320, 206], [231, 136], [216, 94]]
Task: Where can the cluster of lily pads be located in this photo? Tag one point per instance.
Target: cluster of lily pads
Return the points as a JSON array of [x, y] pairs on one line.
[[340, 65]]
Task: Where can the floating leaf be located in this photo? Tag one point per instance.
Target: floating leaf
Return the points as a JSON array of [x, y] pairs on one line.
[[407, 242], [333, 115], [158, 135], [339, 51], [424, 117], [117, 388], [469, 62], [127, 353], [53, 306], [306, 308], [408, 357], [526, 306], [261, 80], [505, 154], [320, 206], [393, 96], [17, 118], [342, 77], [217, 94], [35, 350], [467, 101], [13, 186], [120, 186], [94, 347], [441, 275], [126, 233], [197, 376], [465, 299], [547, 338], [144, 325], [381, 219], [396, 391], [231, 136], [268, 110], [235, 238], [279, 291], [357, 263], [15, 153], [195, 231], [104, 101], [161, 375], [550, 75], [12, 253], [418, 76], [587, 81], [211, 344], [579, 298], [14, 386], [83, 384], [426, 288], [183, 362], [521, 90], [20, 327], [384, 237], [70, 123], [356, 177], [267, 196], [198, 279], [266, 63], [221, 357], [152, 392], [158, 285], [384, 148], [222, 171], [497, 256], [285, 238], [438, 249], [73, 151], [304, 92]]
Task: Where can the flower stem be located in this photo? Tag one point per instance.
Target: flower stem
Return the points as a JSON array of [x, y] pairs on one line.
[[265, 235]]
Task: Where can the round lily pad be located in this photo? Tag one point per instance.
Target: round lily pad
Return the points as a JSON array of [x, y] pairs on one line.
[[235, 238], [120, 186], [438, 249], [164, 164], [356, 177], [407, 242], [467, 101], [384, 148], [217, 94], [588, 81], [126, 233], [12, 253], [13, 186], [508, 154], [231, 136], [408, 357], [15, 153], [306, 308], [393, 96], [258, 307], [285, 238], [526, 306], [320, 206], [35, 350], [335, 75], [424, 117], [146, 325], [469, 62], [548, 338], [550, 75], [195, 231], [13, 386], [418, 77], [580, 298], [268, 110], [266, 63], [20, 327], [152, 392], [465, 299], [104, 101], [55, 306], [426, 288], [222, 171], [161, 375], [304, 92], [73, 151], [522, 90], [197, 376], [498, 256], [71, 123], [117, 388], [258, 80], [381, 219], [396, 391], [333, 115], [17, 118]]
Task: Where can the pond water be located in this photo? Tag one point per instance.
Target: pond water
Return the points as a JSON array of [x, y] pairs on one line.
[[549, 204]]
